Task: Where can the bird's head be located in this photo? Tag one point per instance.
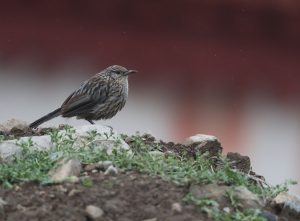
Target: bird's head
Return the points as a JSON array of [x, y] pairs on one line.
[[119, 71]]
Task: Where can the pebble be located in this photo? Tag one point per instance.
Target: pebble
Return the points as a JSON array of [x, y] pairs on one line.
[[226, 209], [73, 192], [176, 207], [152, 219], [94, 212], [2, 203], [104, 165], [111, 170]]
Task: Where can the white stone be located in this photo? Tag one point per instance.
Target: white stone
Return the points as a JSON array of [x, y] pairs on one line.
[[66, 169], [226, 209], [107, 142], [111, 170], [199, 138], [103, 165], [289, 203], [94, 212]]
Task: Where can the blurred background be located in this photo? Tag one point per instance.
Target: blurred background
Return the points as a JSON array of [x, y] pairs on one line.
[[228, 68]]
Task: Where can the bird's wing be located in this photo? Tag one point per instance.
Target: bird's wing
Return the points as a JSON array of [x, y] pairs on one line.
[[83, 100]]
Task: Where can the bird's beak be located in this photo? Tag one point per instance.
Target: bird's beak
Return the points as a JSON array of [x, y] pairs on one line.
[[131, 72]]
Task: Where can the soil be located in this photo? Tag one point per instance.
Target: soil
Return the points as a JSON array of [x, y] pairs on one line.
[[127, 196]]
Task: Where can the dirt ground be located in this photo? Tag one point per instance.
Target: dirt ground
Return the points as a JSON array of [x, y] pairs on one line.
[[127, 196]]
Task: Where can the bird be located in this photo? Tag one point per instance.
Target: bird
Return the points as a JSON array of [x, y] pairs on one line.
[[98, 98]]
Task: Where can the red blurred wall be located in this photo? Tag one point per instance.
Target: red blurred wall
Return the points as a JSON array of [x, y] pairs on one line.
[[236, 46]]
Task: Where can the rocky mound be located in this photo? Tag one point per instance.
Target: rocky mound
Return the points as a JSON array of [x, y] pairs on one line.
[[93, 173]]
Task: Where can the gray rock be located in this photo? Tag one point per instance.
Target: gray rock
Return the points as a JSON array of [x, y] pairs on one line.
[[66, 169], [111, 170], [239, 162], [204, 143], [218, 193], [8, 149], [106, 139], [94, 212], [90, 167], [103, 165], [288, 204], [247, 198], [107, 142]]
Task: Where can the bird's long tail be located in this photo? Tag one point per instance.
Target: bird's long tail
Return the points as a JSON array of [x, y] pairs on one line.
[[45, 118]]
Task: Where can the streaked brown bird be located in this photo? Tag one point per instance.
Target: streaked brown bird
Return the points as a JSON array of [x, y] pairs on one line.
[[100, 97]]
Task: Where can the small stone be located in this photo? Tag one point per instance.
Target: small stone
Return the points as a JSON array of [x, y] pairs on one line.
[[90, 167], [111, 170], [204, 143], [94, 171], [67, 168], [152, 219], [176, 208], [226, 209], [62, 189], [94, 212], [103, 165], [288, 204], [73, 192], [51, 195]]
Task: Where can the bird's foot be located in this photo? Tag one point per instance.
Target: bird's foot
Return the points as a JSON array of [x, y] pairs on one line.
[[91, 122]]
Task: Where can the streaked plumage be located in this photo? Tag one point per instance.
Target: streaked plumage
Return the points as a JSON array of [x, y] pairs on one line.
[[100, 97]]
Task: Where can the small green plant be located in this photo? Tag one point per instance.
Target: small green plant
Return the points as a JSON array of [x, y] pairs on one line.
[[2, 138], [211, 208], [233, 199], [87, 182]]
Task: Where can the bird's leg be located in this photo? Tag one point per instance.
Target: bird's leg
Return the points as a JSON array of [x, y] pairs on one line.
[[91, 122]]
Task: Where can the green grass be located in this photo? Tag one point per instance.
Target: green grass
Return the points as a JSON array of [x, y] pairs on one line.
[[211, 208], [34, 165]]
